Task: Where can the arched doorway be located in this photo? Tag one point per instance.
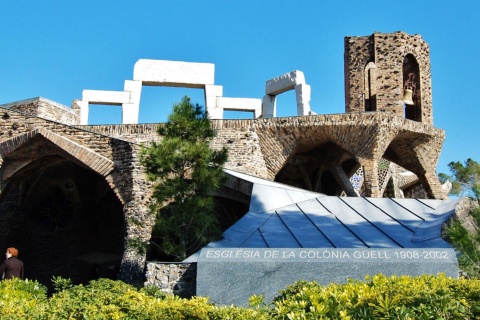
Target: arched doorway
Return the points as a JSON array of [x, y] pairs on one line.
[[68, 221]]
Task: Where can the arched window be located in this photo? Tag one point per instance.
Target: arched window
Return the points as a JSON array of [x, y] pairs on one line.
[[369, 87], [411, 88]]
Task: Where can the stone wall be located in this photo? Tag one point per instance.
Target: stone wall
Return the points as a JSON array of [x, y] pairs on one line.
[[127, 180], [374, 71], [262, 147], [46, 109], [173, 278]]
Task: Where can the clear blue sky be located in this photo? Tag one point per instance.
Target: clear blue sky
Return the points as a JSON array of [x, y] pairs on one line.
[[56, 49]]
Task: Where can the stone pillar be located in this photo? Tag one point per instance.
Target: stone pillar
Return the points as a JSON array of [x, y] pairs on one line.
[[370, 178], [269, 106], [302, 93], [432, 185], [212, 92], [342, 179], [83, 112], [130, 110]]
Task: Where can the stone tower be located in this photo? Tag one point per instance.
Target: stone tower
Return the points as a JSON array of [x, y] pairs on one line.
[[382, 69]]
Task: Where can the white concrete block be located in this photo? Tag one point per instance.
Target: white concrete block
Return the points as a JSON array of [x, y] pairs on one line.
[[215, 112], [83, 111], [130, 112], [174, 73], [135, 90], [302, 93], [241, 104], [211, 94], [269, 109], [105, 97], [284, 82]]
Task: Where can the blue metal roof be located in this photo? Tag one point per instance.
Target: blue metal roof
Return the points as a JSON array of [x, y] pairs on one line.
[[281, 216]]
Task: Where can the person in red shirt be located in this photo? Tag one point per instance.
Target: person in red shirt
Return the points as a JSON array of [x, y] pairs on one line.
[[12, 266]]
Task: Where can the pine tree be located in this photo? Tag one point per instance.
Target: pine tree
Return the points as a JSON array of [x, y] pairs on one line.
[[465, 178], [185, 171]]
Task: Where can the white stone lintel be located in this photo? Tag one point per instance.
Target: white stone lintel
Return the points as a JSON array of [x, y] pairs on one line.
[[284, 82], [174, 73], [116, 98], [241, 104]]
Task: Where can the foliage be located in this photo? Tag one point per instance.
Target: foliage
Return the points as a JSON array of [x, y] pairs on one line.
[[60, 284], [379, 297], [467, 243], [186, 171], [465, 178], [22, 299], [106, 299]]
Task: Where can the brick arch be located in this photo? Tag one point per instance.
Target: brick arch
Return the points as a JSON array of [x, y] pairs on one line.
[[89, 158]]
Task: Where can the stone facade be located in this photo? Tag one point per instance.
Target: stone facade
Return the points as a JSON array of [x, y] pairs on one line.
[[173, 278], [46, 109], [377, 70], [51, 165]]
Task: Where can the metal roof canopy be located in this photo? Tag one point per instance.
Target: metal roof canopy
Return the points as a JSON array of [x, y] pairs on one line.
[[281, 216]]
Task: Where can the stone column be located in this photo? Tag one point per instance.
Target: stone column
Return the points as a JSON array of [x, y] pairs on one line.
[[269, 106], [302, 93], [370, 178], [83, 112], [432, 185], [212, 92], [130, 110]]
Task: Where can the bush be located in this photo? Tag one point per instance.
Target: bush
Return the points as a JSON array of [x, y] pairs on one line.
[[424, 297], [22, 299], [466, 243], [379, 297]]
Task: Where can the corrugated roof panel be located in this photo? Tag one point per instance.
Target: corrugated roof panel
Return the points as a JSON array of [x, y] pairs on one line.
[[329, 225], [277, 235], [419, 208], [433, 203], [305, 232], [390, 227], [255, 240], [369, 234], [397, 212], [251, 221]]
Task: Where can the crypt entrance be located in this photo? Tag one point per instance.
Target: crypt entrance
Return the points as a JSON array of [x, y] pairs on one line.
[[65, 220]]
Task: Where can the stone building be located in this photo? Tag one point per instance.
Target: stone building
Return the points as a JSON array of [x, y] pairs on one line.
[[75, 198]]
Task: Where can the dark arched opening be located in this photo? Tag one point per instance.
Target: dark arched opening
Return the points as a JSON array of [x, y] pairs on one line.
[[325, 169], [411, 88], [68, 222]]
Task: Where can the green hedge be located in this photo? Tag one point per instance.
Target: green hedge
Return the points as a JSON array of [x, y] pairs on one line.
[[379, 297]]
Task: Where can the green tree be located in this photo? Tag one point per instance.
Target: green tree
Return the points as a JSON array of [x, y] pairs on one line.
[[186, 172], [465, 178]]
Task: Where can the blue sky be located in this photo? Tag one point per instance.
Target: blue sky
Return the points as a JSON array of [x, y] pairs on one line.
[[57, 48]]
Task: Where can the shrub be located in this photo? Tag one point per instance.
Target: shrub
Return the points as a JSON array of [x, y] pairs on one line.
[[379, 297], [467, 243], [22, 299], [424, 297]]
